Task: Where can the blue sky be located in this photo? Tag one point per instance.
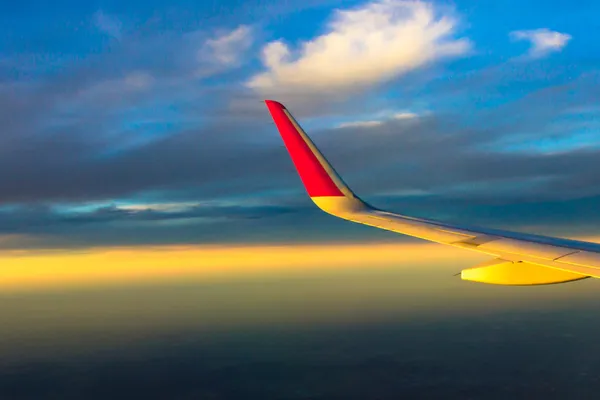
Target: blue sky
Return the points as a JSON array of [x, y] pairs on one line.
[[142, 122]]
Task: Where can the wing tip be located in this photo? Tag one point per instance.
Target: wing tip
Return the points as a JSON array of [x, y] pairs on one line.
[[274, 103]]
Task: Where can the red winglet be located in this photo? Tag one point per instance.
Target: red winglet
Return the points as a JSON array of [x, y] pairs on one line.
[[315, 177]]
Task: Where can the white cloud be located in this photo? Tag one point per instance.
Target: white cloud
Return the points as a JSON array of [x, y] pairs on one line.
[[543, 41], [404, 115], [379, 119], [164, 207], [108, 24], [360, 124], [228, 48], [361, 47]]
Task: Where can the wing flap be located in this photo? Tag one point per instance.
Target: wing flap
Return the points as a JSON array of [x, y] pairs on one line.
[[581, 258], [518, 247]]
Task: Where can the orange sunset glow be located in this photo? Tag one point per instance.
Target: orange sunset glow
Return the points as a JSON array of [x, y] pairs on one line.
[[105, 266], [100, 266]]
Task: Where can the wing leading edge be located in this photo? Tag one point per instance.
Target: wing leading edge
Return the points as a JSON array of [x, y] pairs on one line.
[[519, 259]]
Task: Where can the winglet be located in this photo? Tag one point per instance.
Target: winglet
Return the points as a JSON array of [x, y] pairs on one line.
[[318, 176]]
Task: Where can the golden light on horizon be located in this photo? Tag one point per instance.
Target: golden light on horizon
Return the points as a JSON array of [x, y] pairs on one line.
[[50, 269], [37, 269]]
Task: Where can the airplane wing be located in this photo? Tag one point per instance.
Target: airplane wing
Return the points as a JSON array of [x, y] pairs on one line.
[[518, 259]]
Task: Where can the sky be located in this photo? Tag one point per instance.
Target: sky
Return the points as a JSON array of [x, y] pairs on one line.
[[142, 123]]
